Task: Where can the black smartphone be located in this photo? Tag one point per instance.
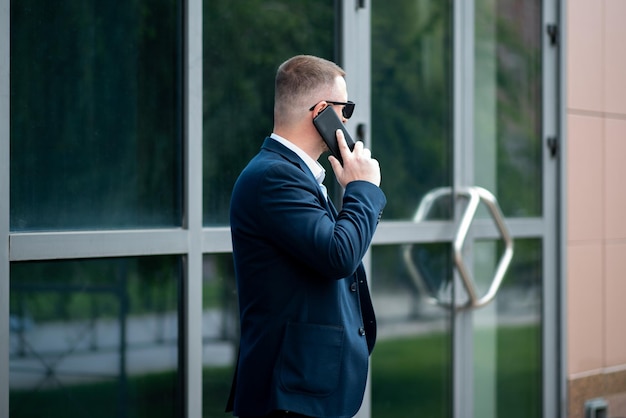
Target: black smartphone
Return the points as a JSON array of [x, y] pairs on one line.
[[327, 123]]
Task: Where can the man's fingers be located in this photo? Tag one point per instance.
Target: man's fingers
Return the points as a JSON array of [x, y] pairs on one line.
[[341, 140], [358, 163], [343, 145], [335, 164]]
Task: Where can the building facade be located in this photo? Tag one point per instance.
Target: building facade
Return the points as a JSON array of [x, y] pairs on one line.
[[596, 245], [496, 270]]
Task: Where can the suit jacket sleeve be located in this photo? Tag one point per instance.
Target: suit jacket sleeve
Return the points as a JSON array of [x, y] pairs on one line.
[[291, 214]]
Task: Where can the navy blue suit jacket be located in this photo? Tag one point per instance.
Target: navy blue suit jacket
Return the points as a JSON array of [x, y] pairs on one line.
[[307, 321]]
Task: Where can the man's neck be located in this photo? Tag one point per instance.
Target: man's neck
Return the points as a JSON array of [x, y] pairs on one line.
[[302, 139]]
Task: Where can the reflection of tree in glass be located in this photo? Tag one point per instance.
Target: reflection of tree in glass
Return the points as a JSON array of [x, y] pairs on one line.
[[244, 42], [411, 99], [95, 115]]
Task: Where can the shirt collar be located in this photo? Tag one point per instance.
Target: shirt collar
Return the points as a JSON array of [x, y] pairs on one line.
[[315, 167]]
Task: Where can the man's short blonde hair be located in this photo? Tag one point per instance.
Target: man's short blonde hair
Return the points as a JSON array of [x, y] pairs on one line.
[[300, 81]]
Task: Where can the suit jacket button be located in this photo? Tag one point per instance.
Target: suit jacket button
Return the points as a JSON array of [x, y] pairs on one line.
[[353, 287], [361, 331]]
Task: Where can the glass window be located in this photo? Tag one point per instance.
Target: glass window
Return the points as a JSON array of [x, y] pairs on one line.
[[508, 88], [95, 114], [220, 332], [412, 101], [244, 42], [508, 333], [411, 363], [95, 338]]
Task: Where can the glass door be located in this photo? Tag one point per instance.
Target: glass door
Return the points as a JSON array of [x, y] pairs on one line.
[[460, 268]]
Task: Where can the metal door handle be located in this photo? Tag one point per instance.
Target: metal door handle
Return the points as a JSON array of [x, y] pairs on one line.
[[475, 196]]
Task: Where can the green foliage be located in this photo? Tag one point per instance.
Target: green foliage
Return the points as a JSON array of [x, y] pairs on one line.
[[94, 289], [151, 396], [411, 376], [412, 100], [96, 100], [96, 114], [216, 382]]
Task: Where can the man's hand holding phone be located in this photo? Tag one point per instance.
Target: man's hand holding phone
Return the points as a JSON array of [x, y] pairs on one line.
[[358, 164]]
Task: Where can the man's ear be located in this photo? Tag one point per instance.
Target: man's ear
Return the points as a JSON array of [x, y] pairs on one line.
[[319, 107]]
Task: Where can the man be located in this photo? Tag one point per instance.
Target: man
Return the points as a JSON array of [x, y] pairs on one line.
[[307, 322]]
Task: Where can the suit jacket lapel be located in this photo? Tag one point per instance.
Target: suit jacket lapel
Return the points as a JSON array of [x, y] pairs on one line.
[[275, 146]]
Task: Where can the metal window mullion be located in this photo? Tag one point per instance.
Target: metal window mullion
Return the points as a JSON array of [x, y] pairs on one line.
[[216, 240], [561, 253], [5, 101], [463, 160], [96, 244], [552, 340], [354, 46], [192, 280], [404, 232]]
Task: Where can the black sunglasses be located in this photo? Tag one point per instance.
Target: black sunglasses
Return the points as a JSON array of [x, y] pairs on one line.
[[348, 107]]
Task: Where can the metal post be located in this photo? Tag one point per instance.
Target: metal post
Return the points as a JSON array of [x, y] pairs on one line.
[[5, 59]]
